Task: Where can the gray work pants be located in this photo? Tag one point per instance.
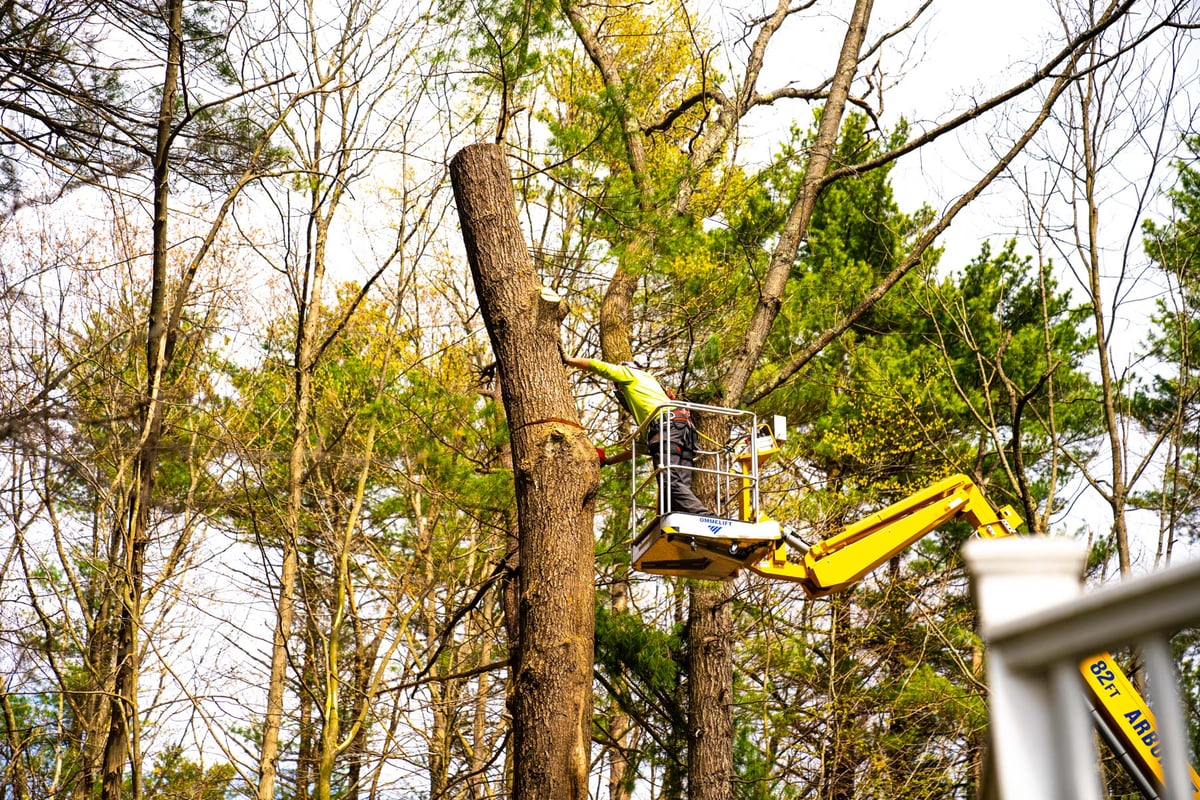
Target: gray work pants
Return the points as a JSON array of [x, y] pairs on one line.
[[675, 483]]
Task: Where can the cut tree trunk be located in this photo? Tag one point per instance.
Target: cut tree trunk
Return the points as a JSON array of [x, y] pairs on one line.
[[555, 476]]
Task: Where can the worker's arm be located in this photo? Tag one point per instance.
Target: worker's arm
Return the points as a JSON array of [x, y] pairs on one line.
[[618, 373], [577, 363], [619, 458]]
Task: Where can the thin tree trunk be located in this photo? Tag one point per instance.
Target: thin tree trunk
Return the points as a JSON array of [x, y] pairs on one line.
[[841, 762], [1119, 487], [303, 366], [365, 659], [622, 734], [438, 736], [14, 774], [92, 705], [306, 726], [795, 228], [556, 478], [131, 526], [481, 738], [268, 761]]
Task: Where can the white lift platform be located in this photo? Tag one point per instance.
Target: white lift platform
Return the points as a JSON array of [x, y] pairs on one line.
[[710, 548], [706, 547]]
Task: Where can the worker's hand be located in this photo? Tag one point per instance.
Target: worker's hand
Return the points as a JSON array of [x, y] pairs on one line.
[[600, 455]]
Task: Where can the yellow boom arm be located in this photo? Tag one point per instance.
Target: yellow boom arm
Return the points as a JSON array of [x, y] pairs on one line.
[[841, 560], [709, 548]]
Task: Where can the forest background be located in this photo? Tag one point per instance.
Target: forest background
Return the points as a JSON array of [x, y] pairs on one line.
[[271, 507]]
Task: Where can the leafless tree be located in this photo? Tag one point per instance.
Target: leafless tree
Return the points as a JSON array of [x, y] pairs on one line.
[[351, 109], [1089, 210]]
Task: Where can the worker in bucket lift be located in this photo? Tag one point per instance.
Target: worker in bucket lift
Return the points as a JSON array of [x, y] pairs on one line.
[[642, 396]]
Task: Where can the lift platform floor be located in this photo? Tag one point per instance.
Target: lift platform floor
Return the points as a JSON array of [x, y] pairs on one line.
[[710, 548]]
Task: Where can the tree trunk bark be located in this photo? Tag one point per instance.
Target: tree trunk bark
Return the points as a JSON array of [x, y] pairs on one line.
[[710, 692], [840, 766], [622, 734], [555, 475]]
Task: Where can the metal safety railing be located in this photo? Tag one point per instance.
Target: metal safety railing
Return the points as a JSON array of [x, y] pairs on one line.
[[1038, 626], [733, 464]]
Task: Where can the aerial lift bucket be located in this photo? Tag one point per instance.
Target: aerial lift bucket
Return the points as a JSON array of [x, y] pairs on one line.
[[709, 547]]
